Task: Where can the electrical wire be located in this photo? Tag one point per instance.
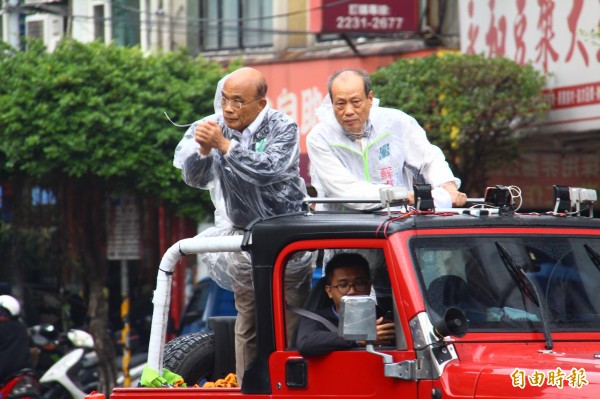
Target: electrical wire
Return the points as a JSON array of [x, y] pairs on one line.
[[229, 27], [289, 14], [234, 23]]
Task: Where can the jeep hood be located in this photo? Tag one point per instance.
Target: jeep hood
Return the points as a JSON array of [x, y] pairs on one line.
[[520, 371]]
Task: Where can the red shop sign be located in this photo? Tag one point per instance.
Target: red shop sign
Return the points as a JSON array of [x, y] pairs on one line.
[[368, 16]]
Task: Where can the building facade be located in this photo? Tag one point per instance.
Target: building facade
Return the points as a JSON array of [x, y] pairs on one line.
[[285, 39], [298, 44], [556, 37]]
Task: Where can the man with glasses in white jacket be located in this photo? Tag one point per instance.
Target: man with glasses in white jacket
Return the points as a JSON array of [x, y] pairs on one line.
[[358, 147]]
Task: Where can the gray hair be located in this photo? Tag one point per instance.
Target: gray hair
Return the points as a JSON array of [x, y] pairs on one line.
[[360, 72], [261, 88]]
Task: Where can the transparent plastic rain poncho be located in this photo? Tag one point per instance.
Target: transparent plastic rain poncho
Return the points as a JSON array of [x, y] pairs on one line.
[[396, 153], [260, 181]]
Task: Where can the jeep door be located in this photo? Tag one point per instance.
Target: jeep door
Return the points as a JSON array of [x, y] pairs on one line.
[[351, 372]]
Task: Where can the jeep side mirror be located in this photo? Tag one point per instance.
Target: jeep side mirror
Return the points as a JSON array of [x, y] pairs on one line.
[[357, 318], [358, 322]]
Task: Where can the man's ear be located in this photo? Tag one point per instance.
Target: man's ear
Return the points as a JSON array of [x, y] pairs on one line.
[[370, 97], [328, 291], [262, 103]]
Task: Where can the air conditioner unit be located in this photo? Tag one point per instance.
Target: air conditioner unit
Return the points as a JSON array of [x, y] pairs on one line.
[[48, 27]]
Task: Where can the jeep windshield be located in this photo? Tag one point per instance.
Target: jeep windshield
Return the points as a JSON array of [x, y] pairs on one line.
[[474, 274]]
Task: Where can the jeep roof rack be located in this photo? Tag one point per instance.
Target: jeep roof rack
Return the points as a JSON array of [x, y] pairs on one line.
[[499, 199]]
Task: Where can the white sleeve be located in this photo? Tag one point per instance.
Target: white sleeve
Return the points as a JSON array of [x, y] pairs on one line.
[[425, 157], [335, 180]]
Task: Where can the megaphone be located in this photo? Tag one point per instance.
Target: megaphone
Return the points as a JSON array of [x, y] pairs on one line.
[[453, 323]]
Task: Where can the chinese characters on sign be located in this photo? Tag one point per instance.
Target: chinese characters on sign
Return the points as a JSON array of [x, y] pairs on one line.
[[369, 16], [541, 42], [495, 38], [574, 96], [369, 9], [550, 35], [545, 26], [558, 378]]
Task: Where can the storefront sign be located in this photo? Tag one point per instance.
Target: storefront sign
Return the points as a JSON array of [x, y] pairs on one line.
[[368, 16]]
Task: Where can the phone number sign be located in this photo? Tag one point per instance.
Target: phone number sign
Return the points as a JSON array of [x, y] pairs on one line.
[[370, 16]]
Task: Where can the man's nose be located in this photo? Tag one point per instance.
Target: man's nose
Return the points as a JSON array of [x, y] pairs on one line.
[[348, 109], [228, 108]]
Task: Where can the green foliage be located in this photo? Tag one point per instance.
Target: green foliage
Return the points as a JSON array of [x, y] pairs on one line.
[[87, 122], [592, 35], [96, 112], [475, 108]]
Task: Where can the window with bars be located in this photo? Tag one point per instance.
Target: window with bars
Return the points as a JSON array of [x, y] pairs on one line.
[[235, 24]]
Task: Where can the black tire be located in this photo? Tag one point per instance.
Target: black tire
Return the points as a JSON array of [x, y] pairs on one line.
[[192, 356]]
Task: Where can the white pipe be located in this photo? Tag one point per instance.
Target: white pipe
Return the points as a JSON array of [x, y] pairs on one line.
[[162, 294]]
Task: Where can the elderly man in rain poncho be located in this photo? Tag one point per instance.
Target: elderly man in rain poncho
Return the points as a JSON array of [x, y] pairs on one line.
[[358, 147], [247, 155]]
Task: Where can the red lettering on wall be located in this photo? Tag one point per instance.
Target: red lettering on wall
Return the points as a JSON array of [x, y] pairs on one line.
[[519, 31], [545, 25], [572, 21], [473, 30], [574, 96], [495, 37]]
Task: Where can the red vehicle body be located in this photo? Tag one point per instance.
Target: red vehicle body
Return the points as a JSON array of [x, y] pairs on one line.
[[22, 384], [527, 286]]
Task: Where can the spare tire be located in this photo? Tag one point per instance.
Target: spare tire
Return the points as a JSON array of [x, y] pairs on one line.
[[192, 356]]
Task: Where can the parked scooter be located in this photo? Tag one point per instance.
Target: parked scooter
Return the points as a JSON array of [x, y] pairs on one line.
[[46, 347], [75, 374], [22, 384], [62, 379]]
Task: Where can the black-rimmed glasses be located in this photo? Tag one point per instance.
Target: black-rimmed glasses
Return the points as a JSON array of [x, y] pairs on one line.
[[359, 286]]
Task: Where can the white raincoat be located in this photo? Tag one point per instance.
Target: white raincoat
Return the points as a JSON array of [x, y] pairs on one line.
[[396, 153]]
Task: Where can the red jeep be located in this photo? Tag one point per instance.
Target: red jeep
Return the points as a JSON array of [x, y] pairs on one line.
[[487, 302]]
